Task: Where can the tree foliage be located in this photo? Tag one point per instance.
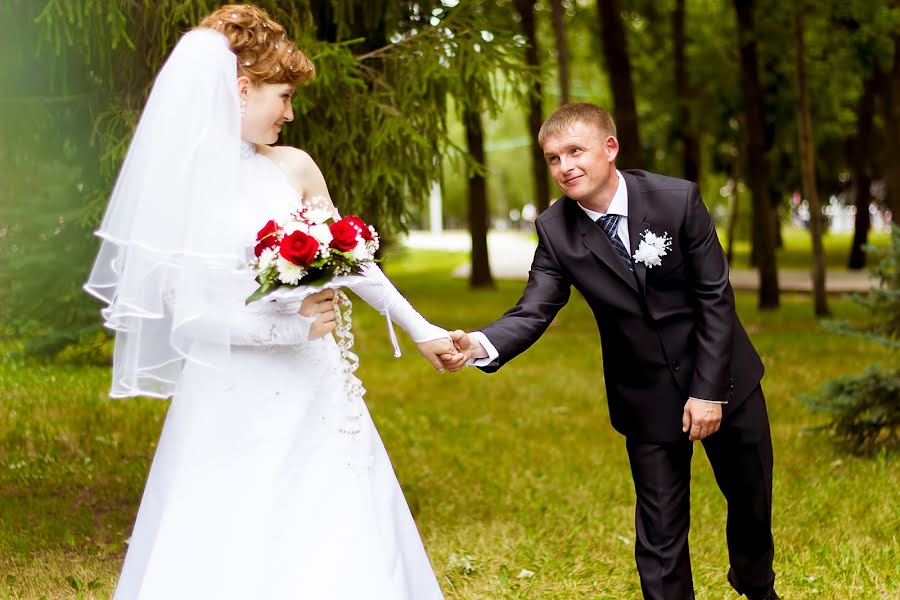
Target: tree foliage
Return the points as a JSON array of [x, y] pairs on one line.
[[48, 175], [882, 303], [375, 118], [384, 118], [864, 409]]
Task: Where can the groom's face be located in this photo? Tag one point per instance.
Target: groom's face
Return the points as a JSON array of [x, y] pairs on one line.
[[582, 162]]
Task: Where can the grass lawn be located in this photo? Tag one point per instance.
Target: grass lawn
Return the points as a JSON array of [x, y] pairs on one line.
[[505, 472]]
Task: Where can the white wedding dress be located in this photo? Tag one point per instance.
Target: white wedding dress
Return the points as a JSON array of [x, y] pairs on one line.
[[257, 489]]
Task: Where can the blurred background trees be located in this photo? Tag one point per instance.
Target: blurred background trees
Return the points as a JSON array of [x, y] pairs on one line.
[[445, 96]]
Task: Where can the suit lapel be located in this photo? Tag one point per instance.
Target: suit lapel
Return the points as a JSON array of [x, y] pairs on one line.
[[597, 242], [637, 223]]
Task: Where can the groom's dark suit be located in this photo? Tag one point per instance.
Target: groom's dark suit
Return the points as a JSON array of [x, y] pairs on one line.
[[668, 333]]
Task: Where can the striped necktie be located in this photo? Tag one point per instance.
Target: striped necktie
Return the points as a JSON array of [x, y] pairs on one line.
[[610, 226]]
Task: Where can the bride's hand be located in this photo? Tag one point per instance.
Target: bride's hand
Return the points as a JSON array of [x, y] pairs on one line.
[[320, 305]]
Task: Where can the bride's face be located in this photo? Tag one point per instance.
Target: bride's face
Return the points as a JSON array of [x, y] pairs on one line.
[[268, 106]]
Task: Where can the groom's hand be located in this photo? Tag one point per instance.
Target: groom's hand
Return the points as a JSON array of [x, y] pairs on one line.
[[442, 354], [701, 419], [468, 345]]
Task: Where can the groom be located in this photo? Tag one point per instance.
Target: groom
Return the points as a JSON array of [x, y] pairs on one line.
[[678, 365]]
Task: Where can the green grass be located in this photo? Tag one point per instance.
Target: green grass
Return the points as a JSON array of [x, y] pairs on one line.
[[796, 252], [518, 470]]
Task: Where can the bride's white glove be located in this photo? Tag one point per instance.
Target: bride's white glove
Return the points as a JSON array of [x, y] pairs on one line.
[[386, 299], [433, 342]]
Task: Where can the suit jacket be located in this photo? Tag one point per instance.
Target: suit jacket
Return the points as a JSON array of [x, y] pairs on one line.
[[667, 332]]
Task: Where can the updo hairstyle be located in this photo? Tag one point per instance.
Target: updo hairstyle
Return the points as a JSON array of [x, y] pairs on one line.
[[264, 52]]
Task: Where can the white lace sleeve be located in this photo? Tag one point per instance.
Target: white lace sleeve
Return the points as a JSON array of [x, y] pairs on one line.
[[269, 324], [261, 323], [387, 300]]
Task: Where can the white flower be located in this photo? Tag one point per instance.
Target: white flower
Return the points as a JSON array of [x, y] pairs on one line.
[[361, 251], [266, 258], [648, 255], [653, 239], [318, 215], [322, 233], [288, 272], [652, 248], [317, 209], [295, 225]]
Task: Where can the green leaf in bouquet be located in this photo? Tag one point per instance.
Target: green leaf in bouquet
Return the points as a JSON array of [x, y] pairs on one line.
[[264, 290], [346, 255]]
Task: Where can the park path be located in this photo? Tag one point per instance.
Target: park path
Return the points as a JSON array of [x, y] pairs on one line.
[[511, 254]]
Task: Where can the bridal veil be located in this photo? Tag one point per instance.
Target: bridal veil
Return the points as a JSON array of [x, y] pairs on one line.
[[172, 261]]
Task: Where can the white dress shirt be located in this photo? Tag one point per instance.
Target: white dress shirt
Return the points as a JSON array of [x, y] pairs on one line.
[[618, 206]]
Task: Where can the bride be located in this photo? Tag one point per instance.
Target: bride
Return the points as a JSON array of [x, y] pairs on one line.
[[269, 480]]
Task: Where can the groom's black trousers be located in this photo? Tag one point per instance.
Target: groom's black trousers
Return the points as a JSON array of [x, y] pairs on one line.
[[741, 457]]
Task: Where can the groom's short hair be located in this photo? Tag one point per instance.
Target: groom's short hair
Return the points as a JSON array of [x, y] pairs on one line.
[[568, 115]]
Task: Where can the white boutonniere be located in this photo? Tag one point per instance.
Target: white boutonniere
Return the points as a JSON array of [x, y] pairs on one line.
[[652, 248]]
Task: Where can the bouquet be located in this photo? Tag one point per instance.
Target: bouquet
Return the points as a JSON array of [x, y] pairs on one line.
[[311, 250], [307, 250]]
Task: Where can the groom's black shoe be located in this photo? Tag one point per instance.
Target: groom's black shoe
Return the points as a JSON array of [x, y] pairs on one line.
[[768, 594]]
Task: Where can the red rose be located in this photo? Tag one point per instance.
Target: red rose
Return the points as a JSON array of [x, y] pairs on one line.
[[344, 234], [299, 248], [360, 226], [267, 237]]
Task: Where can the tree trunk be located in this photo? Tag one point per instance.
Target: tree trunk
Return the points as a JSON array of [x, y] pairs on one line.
[[562, 49], [366, 24], [684, 130], [734, 208], [478, 209], [808, 166], [541, 196], [757, 167], [860, 149], [776, 157], [323, 16], [890, 102], [618, 66]]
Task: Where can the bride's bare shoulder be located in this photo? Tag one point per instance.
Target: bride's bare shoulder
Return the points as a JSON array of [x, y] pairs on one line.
[[293, 160], [300, 168]]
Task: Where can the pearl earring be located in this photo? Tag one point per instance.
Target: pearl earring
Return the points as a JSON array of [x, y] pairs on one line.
[[243, 108]]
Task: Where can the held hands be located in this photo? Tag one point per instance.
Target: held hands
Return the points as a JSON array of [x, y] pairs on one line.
[[442, 354], [701, 419], [468, 348], [452, 355], [468, 345], [320, 306]]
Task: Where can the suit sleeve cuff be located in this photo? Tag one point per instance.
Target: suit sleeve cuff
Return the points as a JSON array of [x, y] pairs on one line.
[[712, 401], [488, 347]]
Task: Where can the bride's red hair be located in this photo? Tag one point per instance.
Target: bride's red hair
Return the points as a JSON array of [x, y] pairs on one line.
[[264, 52]]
